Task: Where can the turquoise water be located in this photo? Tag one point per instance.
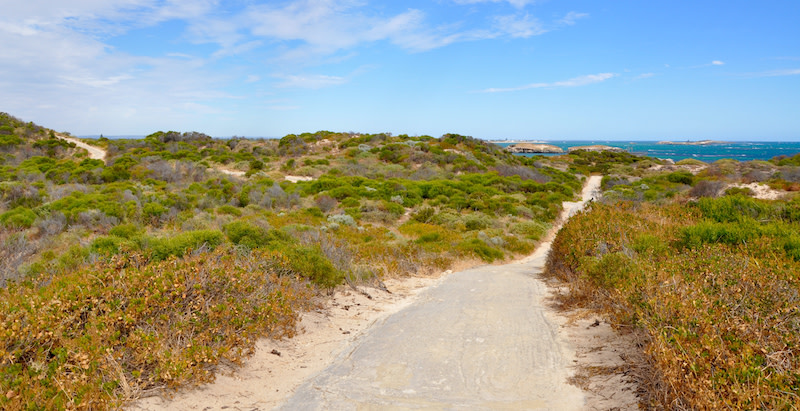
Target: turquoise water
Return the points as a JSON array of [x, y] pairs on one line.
[[741, 151]]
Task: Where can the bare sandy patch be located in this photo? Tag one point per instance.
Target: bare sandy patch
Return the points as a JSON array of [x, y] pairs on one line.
[[761, 191], [235, 173], [605, 360], [95, 153], [295, 179], [692, 168]]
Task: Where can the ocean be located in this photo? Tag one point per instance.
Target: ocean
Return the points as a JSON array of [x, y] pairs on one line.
[[741, 151]]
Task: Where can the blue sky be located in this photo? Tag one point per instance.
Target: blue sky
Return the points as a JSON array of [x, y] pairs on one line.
[[493, 69]]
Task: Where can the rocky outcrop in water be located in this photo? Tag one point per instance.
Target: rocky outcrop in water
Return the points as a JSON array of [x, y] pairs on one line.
[[534, 148]]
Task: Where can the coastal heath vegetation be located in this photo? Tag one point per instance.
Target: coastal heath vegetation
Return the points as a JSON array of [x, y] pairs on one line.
[[705, 275], [148, 270]]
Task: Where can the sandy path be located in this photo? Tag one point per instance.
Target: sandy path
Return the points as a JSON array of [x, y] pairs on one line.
[[95, 153], [484, 338]]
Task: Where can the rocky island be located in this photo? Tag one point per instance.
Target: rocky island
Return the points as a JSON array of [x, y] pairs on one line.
[[534, 148], [596, 148], [692, 143]]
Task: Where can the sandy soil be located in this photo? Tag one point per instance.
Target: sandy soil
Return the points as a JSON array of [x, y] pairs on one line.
[[95, 153], [692, 168], [761, 191], [236, 173], [295, 179]]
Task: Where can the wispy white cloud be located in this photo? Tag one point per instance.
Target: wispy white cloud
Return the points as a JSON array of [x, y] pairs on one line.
[[573, 82], [711, 64], [519, 26], [516, 3], [644, 76], [312, 81], [572, 17], [777, 73]]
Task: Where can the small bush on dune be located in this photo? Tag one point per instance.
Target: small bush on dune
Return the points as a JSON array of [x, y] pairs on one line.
[[706, 188], [481, 250], [19, 217], [163, 247], [128, 231], [734, 208], [739, 191], [681, 177], [533, 230]]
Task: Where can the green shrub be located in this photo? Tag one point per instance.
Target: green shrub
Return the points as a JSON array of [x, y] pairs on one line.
[[681, 177], [126, 231], [177, 245], [611, 269], [108, 245], [710, 233], [312, 264], [480, 249], [229, 210], [477, 221], [533, 230], [254, 236], [739, 191], [792, 247], [424, 215], [734, 208], [429, 238], [19, 217], [649, 244]]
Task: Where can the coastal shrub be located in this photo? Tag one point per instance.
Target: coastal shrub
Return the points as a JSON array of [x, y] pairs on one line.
[[710, 232], [311, 263], [100, 335], [717, 317], [792, 246], [681, 177], [706, 188], [691, 162], [108, 245], [126, 231], [481, 250], [734, 208], [533, 230], [163, 247], [325, 203], [342, 219], [20, 217], [424, 214], [476, 221], [229, 210], [739, 191]]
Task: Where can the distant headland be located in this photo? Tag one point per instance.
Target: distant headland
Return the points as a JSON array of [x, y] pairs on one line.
[[692, 143]]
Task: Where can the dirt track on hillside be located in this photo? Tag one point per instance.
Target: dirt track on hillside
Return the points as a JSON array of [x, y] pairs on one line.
[[95, 153]]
